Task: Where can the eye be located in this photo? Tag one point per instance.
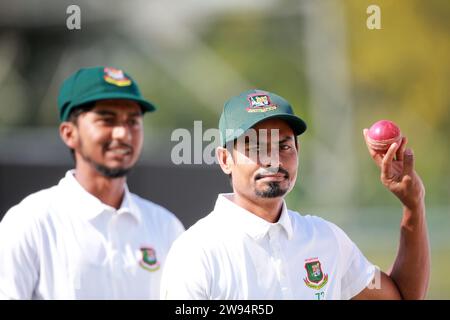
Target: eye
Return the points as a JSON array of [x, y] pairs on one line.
[[133, 122], [285, 147], [107, 120]]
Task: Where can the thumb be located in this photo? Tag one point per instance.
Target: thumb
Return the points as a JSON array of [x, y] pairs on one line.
[[408, 162]]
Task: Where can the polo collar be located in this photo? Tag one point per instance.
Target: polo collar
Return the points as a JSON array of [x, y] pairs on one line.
[[250, 223], [89, 205]]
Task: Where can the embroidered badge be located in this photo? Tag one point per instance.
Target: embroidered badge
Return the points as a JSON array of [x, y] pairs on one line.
[[116, 77], [149, 261], [259, 103], [315, 279]]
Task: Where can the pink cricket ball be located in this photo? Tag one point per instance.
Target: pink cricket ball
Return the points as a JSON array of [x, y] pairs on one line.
[[382, 134]]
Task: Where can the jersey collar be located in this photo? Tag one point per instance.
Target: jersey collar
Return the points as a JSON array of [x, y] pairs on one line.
[[250, 223], [91, 206]]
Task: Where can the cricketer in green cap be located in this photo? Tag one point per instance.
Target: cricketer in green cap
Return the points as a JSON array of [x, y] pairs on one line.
[[249, 108], [91, 211], [251, 246], [88, 85], [260, 160], [101, 112]]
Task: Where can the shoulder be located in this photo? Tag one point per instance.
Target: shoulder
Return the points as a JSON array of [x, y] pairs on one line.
[[199, 245], [205, 234], [313, 225], [308, 221], [154, 212], [151, 208], [23, 223], [33, 207]]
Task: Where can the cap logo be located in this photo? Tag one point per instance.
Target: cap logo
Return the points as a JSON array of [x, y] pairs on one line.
[[149, 261], [116, 77], [259, 103]]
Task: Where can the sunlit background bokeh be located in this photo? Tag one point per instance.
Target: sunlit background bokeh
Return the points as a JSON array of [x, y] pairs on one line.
[[190, 56]]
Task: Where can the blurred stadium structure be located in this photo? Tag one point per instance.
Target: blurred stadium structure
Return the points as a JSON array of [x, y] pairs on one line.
[[189, 56]]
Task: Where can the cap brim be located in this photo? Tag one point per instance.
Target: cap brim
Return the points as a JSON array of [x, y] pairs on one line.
[[146, 105], [298, 125]]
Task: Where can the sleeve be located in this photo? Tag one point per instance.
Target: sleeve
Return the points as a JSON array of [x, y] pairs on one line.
[[357, 272], [185, 274], [19, 261]]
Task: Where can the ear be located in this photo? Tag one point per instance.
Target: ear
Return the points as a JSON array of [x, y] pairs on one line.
[[225, 159], [69, 134]]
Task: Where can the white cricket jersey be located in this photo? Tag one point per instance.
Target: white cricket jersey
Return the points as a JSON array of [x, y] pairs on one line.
[[234, 254], [64, 243]]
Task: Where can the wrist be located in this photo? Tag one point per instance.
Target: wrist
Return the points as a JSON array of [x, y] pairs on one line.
[[414, 218], [414, 210], [417, 204]]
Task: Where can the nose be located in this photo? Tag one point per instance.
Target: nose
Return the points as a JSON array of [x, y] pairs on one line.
[[270, 158], [121, 132]]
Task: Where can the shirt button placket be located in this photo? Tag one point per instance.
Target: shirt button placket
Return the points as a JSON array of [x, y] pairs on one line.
[[280, 265], [113, 254]]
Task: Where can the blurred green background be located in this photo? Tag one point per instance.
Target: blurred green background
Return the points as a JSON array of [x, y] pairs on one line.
[[190, 56]]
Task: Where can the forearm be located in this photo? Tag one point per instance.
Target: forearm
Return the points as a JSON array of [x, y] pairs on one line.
[[411, 269]]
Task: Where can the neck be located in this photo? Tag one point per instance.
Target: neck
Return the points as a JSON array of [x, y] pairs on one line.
[[268, 209], [107, 190]]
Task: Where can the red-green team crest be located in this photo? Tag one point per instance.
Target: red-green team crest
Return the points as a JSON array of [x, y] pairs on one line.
[[116, 77], [315, 279], [149, 261], [259, 103]]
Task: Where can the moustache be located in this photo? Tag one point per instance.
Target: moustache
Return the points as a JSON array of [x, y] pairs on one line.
[[271, 171], [116, 145]]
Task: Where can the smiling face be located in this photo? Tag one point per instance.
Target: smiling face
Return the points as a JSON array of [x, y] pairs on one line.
[[108, 137], [265, 167]]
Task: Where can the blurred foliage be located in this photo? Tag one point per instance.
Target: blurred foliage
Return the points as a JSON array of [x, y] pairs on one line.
[[267, 51], [402, 73]]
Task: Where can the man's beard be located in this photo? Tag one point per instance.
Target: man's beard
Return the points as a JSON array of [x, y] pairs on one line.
[[274, 189], [104, 170], [110, 172]]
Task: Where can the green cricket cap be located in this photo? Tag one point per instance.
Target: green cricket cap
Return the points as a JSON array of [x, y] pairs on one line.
[[88, 85], [251, 107]]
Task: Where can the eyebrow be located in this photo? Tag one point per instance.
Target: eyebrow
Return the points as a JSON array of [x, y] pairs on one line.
[[286, 139], [105, 112]]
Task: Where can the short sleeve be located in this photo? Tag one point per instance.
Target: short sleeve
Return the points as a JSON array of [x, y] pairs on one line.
[[19, 260], [357, 272]]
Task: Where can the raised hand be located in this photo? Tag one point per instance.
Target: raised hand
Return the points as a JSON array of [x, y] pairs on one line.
[[398, 174]]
